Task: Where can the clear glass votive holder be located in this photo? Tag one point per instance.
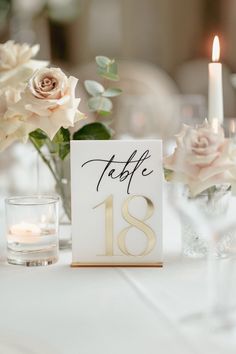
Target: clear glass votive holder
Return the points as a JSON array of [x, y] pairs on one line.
[[32, 230]]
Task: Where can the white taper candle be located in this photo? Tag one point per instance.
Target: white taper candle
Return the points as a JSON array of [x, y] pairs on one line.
[[215, 88]]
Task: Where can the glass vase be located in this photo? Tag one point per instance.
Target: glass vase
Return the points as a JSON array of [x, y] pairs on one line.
[[212, 204], [54, 177]]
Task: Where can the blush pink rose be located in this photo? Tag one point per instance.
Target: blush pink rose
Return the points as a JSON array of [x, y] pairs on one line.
[[202, 158], [49, 101]]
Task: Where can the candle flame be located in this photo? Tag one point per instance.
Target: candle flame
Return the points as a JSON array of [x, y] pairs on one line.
[[216, 49]]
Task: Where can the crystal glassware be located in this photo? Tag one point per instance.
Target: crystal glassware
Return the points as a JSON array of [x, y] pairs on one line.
[[215, 222], [32, 230], [213, 203]]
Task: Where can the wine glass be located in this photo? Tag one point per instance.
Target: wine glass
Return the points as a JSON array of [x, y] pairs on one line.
[[220, 269], [218, 230]]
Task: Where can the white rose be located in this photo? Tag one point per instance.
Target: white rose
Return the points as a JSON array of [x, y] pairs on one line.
[[16, 64], [49, 101], [202, 158], [13, 54], [20, 132], [12, 125]]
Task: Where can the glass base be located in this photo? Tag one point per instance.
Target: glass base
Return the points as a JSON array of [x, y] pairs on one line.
[[35, 263], [195, 245], [212, 322], [33, 259]]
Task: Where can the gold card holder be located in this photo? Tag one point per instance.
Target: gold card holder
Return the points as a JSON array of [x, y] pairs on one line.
[[123, 265]]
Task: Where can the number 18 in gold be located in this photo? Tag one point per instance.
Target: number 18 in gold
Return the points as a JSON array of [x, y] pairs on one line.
[[132, 221]]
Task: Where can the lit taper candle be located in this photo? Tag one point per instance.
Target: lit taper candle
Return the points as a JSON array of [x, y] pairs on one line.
[[215, 89]]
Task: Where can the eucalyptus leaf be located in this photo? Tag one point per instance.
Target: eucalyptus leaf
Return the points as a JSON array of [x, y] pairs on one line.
[[92, 131], [107, 75], [113, 68], [102, 61], [104, 113], [94, 87], [99, 103], [112, 92]]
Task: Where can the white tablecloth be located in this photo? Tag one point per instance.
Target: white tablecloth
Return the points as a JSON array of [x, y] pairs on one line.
[[60, 310]]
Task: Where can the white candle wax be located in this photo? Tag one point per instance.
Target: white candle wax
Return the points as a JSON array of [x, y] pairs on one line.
[[215, 88], [24, 232], [215, 125], [215, 93]]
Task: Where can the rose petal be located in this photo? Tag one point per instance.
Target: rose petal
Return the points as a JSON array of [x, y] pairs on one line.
[[20, 74], [202, 161]]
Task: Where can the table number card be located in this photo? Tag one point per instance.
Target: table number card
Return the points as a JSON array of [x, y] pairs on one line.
[[116, 203]]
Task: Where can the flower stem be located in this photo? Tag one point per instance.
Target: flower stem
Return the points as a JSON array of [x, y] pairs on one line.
[[45, 160], [57, 179]]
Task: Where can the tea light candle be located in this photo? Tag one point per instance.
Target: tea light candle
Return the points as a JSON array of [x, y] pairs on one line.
[[24, 232], [32, 230]]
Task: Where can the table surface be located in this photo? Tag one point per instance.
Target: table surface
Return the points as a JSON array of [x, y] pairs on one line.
[[62, 310]]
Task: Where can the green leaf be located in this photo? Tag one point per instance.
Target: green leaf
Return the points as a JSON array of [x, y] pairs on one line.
[[113, 68], [168, 174], [61, 143], [99, 103], [38, 134], [38, 142], [102, 61], [92, 131], [108, 75], [63, 150], [38, 137], [94, 87], [63, 135], [112, 92], [104, 113]]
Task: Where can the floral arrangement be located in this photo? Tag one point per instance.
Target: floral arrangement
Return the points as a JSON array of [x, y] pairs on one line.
[[203, 159], [39, 104]]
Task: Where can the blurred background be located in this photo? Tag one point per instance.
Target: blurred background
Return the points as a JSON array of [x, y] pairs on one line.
[[162, 47]]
